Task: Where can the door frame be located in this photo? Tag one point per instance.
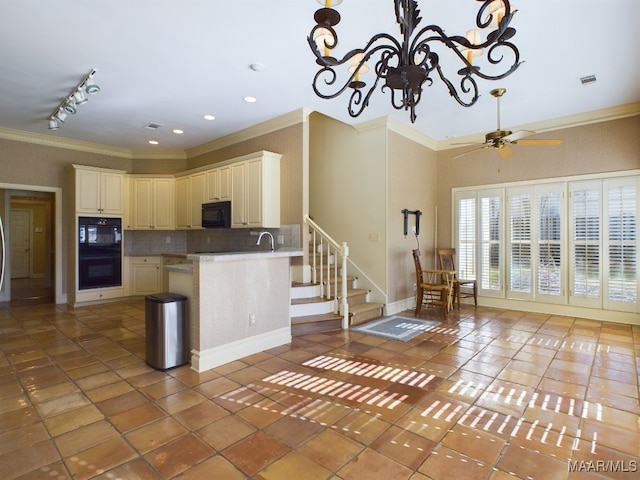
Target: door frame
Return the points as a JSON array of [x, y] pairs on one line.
[[12, 189]]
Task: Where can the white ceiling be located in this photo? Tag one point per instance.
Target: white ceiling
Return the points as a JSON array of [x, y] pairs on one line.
[[171, 62]]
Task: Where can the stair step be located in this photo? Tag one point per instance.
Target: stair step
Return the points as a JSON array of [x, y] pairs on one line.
[[310, 306], [306, 324], [364, 312]]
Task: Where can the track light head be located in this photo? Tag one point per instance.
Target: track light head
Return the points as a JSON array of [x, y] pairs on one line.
[[69, 106], [90, 87], [60, 116], [53, 124], [79, 98]]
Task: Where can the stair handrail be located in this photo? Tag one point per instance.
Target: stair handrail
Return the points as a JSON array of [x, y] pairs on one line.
[[341, 305]]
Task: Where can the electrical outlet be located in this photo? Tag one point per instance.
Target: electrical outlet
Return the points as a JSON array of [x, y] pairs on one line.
[[415, 287], [413, 229], [252, 319], [168, 239], [280, 239]]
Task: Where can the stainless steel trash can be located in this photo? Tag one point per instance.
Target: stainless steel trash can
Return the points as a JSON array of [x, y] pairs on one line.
[[166, 330]]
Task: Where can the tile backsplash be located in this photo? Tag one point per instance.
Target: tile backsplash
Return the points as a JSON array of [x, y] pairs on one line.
[[213, 240]]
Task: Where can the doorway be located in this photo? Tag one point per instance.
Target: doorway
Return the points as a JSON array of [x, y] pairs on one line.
[[30, 248]]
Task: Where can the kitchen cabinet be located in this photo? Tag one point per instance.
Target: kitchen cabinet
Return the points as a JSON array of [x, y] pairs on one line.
[[146, 275], [171, 260], [219, 184], [153, 203], [255, 192], [190, 195], [99, 191]]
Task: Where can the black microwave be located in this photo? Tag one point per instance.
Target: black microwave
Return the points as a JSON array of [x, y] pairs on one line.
[[216, 215]]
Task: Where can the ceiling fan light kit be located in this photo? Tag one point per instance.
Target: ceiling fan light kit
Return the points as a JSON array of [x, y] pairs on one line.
[[405, 66], [73, 100], [501, 139]]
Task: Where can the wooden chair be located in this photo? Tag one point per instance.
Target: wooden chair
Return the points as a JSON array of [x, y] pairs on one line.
[[433, 287], [446, 258]]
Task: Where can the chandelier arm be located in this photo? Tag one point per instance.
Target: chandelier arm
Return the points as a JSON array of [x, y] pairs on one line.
[[328, 75], [405, 67]]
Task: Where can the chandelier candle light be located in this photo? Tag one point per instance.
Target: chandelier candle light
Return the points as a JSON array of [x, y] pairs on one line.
[[405, 66]]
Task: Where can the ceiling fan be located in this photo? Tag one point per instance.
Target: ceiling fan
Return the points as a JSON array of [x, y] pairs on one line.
[[501, 139]]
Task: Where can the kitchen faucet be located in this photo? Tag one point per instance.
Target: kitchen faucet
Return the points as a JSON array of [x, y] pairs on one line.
[[265, 233]]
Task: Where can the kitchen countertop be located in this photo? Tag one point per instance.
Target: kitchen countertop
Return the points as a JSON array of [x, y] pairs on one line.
[[232, 256]]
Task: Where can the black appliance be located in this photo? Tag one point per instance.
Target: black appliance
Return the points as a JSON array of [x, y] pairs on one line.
[[216, 215], [99, 252]]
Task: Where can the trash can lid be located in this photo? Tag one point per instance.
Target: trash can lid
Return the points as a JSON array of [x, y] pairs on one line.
[[165, 297]]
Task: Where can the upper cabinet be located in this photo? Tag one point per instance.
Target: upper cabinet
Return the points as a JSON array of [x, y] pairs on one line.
[[153, 202], [99, 191], [219, 184], [190, 195], [255, 191]]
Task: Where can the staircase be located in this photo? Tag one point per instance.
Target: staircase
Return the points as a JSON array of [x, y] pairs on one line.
[[325, 303]]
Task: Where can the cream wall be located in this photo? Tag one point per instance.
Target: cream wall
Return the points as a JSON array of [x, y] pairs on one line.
[[412, 184], [347, 184], [597, 148]]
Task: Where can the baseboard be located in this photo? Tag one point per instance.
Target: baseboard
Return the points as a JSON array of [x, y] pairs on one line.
[[399, 306], [214, 357]]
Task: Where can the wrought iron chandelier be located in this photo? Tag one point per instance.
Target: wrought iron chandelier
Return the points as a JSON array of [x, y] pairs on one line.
[[404, 67]]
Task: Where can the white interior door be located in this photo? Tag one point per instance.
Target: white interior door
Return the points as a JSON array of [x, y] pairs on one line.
[[20, 243]]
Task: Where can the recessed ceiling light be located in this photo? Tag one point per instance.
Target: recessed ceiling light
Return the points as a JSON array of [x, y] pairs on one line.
[[177, 131], [153, 142], [209, 117], [250, 99]]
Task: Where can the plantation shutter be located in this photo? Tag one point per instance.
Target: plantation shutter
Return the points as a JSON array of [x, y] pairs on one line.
[[519, 255], [491, 248], [585, 212], [621, 262], [548, 250], [466, 242]]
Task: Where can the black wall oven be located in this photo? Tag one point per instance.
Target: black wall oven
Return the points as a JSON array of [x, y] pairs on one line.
[[99, 252]]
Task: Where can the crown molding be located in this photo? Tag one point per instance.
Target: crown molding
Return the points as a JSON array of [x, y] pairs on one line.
[[161, 155], [295, 117], [393, 124], [50, 141], [569, 121]]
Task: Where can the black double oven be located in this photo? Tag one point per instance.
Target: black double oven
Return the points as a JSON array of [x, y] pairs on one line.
[[99, 252]]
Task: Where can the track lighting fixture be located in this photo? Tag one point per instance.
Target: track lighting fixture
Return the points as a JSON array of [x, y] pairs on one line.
[[70, 104]]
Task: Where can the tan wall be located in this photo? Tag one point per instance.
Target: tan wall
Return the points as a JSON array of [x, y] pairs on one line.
[[36, 165], [347, 184], [289, 143], [601, 147], [412, 184]]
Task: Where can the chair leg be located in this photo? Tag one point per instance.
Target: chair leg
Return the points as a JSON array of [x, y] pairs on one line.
[[418, 300], [475, 294], [457, 290], [443, 299]]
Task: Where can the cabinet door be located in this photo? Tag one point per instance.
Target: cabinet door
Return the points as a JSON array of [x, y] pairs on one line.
[[146, 276], [87, 191], [238, 215], [198, 192], [142, 203], [224, 180], [163, 204], [111, 193], [183, 203], [213, 185], [253, 195]]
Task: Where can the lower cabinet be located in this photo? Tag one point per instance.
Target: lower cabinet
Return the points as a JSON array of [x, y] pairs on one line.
[[145, 275]]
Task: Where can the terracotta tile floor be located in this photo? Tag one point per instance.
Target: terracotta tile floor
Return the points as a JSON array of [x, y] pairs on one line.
[[490, 394]]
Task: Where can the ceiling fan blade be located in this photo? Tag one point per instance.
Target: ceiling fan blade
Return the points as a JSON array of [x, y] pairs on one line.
[[470, 151], [539, 141], [505, 152], [515, 136]]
